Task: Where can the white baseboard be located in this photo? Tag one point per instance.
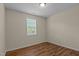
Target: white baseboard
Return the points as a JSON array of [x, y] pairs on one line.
[[24, 46], [65, 46], [1, 53]]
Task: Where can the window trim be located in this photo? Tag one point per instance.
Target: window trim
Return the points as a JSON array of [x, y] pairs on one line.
[[35, 27]]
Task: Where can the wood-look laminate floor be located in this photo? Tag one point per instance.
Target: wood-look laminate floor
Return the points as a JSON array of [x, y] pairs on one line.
[[43, 49]]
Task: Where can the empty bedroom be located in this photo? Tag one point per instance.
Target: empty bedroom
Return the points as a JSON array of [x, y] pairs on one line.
[[39, 29]]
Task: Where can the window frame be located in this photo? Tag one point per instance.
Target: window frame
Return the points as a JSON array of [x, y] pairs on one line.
[[35, 23]]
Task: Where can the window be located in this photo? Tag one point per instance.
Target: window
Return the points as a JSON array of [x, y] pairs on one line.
[[31, 26]]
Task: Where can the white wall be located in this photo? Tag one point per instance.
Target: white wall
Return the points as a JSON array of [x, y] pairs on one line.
[[2, 30], [63, 28], [16, 36]]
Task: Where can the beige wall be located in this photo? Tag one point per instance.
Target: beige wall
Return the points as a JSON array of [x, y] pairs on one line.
[[63, 28], [2, 30], [16, 35]]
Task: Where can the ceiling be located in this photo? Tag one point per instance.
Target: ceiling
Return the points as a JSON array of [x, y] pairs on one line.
[[35, 9]]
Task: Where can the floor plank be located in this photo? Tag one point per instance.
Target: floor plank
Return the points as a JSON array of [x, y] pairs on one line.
[[43, 49]]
